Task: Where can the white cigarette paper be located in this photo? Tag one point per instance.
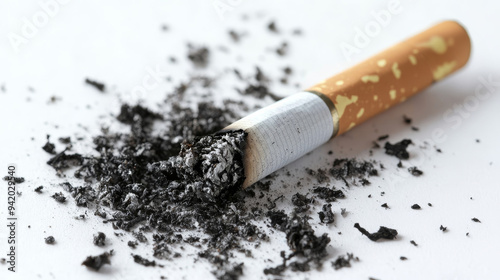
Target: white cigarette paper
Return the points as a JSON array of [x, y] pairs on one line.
[[283, 132]]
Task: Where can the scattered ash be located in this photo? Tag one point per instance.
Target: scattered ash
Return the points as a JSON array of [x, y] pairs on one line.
[[179, 181], [416, 207], [398, 149], [385, 206], [415, 171], [442, 228], [59, 197], [476, 220], [49, 147], [403, 258], [344, 261], [343, 212], [50, 240], [39, 189], [383, 137], [96, 262], [258, 86], [235, 36], [65, 140], [143, 261], [320, 175], [99, 239], [301, 202], [97, 85], [328, 194], [383, 232], [63, 161], [272, 27], [282, 50], [406, 119], [199, 56], [354, 170], [326, 215], [17, 180], [132, 244], [301, 240], [414, 243]]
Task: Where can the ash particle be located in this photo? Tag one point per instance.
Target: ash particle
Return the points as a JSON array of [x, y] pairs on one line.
[[415, 171], [97, 85], [398, 149], [199, 56], [383, 232], [344, 261], [50, 240], [99, 239], [17, 180], [49, 147], [383, 137], [272, 27], [143, 261], [59, 197], [326, 215], [96, 262]]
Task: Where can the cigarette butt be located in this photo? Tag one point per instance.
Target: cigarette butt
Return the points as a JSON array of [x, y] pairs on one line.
[[288, 129]]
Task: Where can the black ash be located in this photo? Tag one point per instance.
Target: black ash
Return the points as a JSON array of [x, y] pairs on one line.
[[49, 147], [143, 261], [326, 215], [383, 232], [415, 171], [344, 261], [99, 239], [398, 149], [50, 240], [96, 262], [97, 85], [59, 197], [199, 56], [17, 180]]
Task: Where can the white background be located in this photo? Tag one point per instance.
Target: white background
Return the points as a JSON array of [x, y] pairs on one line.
[[117, 41]]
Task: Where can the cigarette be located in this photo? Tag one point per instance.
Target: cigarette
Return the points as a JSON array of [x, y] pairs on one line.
[[288, 129]]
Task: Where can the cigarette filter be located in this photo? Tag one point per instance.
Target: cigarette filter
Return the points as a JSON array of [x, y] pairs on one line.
[[288, 129]]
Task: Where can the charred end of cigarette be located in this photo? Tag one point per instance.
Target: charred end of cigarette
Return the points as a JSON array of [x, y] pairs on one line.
[[210, 167]]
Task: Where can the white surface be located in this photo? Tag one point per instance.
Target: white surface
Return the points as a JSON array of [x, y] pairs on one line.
[[282, 132], [118, 41]]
